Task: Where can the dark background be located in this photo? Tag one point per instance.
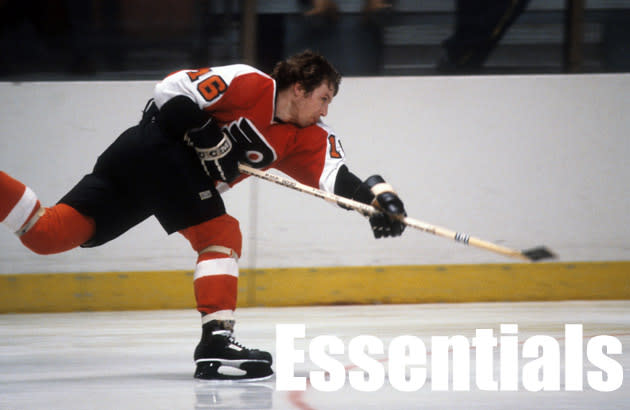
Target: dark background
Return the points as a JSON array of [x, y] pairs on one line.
[[143, 39]]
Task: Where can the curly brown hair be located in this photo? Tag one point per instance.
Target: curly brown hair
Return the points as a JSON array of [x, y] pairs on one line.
[[308, 69]]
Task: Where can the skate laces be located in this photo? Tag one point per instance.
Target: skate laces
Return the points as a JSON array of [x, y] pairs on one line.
[[230, 338]]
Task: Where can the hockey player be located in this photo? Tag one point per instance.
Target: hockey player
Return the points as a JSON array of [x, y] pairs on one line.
[[175, 163]]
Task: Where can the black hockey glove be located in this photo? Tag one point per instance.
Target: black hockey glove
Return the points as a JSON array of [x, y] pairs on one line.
[[218, 153], [378, 193]]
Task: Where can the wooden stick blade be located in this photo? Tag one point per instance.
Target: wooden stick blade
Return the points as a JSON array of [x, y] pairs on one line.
[[538, 253]]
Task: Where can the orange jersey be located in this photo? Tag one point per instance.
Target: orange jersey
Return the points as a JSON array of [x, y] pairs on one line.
[[242, 99]]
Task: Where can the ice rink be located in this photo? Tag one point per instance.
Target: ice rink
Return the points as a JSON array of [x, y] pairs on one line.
[[143, 359]]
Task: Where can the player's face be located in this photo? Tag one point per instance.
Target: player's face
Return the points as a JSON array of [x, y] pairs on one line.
[[311, 106]]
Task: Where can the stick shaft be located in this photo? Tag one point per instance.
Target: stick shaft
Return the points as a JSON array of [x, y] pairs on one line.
[[369, 210]]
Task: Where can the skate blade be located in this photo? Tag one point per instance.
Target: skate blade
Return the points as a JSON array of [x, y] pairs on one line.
[[241, 371]]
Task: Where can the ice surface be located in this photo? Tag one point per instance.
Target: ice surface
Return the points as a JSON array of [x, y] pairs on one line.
[[143, 360]]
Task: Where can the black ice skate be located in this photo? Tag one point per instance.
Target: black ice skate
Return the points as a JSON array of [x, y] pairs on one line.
[[219, 357]]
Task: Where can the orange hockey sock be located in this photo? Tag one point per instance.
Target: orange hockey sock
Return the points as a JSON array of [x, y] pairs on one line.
[[42, 230], [215, 284], [18, 203], [218, 242], [59, 229]]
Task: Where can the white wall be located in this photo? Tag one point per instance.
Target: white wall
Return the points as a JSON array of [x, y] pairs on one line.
[[520, 161]]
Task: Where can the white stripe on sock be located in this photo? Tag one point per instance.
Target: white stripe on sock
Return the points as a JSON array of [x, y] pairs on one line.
[[218, 315], [20, 212], [213, 267]]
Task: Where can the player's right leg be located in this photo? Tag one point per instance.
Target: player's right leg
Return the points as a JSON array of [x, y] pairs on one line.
[[42, 230], [218, 356], [187, 202]]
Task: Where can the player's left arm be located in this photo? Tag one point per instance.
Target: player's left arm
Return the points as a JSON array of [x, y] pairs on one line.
[[378, 193], [322, 165]]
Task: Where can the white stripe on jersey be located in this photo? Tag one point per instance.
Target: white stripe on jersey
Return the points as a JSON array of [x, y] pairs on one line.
[[331, 165], [179, 83]]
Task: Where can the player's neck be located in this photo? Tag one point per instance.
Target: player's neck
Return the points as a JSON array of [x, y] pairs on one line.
[[284, 106]]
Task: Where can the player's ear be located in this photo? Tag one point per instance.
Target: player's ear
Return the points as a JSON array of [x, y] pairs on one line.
[[298, 89]]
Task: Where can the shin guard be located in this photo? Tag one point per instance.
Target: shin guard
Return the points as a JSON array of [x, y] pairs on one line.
[[59, 229], [18, 204], [218, 242], [42, 230]]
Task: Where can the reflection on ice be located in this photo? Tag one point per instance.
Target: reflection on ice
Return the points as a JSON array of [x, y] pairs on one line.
[[234, 395]]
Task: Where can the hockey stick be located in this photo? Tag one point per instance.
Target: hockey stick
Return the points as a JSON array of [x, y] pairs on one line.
[[530, 255]]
